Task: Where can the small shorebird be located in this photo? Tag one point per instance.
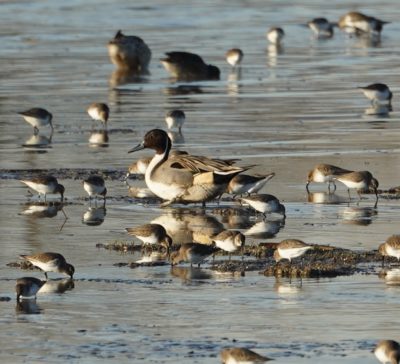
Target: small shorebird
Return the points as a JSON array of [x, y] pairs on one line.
[[244, 183], [151, 234], [234, 57], [387, 351], [321, 27], [325, 173], [378, 93], [360, 181], [38, 117], [28, 287], [266, 204], [175, 118], [358, 24], [241, 356], [390, 248], [129, 52], [183, 179], [289, 249], [50, 262], [186, 66], [229, 241], [193, 253], [275, 35], [99, 112], [95, 186], [44, 185]]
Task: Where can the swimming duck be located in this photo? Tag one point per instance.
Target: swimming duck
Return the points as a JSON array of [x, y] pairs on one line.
[[185, 66], [358, 24], [183, 180]]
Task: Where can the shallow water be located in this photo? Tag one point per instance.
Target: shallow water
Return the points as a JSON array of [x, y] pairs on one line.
[[286, 113]]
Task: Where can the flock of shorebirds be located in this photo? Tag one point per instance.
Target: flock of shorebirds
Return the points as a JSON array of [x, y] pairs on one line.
[[179, 177]]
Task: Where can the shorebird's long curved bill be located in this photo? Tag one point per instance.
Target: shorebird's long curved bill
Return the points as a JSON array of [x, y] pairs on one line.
[[138, 147]]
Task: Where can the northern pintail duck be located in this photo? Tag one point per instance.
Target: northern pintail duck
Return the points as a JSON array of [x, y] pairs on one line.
[[175, 118], [241, 356], [193, 253], [50, 262], [129, 52], [99, 111], [27, 287], [186, 66], [275, 35], [378, 93], [265, 203], [358, 24], [321, 27], [360, 180], [388, 351], [151, 234], [243, 183], [94, 185], [234, 57], [391, 247], [183, 180], [290, 249], [37, 117], [325, 173], [44, 185]]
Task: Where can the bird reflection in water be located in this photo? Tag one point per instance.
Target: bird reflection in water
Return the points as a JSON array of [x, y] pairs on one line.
[[273, 52], [287, 287], [58, 286], [327, 198], [381, 110], [182, 90], [176, 137], [99, 139], [265, 229], [121, 77], [43, 209], [391, 276], [28, 307], [94, 216], [38, 141], [362, 216], [189, 274]]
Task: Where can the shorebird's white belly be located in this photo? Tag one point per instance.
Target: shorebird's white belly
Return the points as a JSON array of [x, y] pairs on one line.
[[357, 185], [151, 239], [93, 189], [293, 252], [94, 113], [226, 245], [40, 188], [319, 177], [381, 355], [393, 252], [36, 122]]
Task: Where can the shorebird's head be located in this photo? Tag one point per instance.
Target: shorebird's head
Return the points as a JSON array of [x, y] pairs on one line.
[[60, 189], [175, 258], [167, 243], [239, 240], [156, 139], [69, 270], [277, 256]]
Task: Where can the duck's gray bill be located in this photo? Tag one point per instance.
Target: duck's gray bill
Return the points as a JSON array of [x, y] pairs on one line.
[[138, 147]]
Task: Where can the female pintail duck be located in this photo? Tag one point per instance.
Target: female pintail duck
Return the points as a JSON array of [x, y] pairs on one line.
[[358, 24], [129, 52], [186, 66], [183, 180]]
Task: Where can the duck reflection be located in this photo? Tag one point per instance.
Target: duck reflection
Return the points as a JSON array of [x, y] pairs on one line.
[[141, 192], [265, 229], [58, 286], [362, 216], [391, 276], [99, 139], [182, 90], [121, 77], [378, 110], [327, 198], [43, 209], [188, 226], [188, 274], [38, 141], [94, 216], [28, 307], [235, 218]]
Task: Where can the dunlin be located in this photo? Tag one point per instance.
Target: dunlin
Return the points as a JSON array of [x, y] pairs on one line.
[[378, 93], [361, 181], [358, 24], [186, 66], [193, 253], [325, 173], [321, 27], [290, 249], [44, 185], [99, 112], [151, 234], [391, 247], [28, 287], [50, 262], [244, 183], [241, 356], [37, 117], [175, 118], [184, 179], [266, 204], [234, 57], [388, 352], [229, 241], [275, 35], [129, 52], [95, 186]]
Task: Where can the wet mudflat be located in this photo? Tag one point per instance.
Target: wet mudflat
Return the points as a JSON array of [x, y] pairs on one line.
[[288, 111]]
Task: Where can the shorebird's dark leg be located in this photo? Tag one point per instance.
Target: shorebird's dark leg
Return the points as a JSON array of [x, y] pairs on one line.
[[348, 191], [45, 274], [104, 201], [383, 261], [35, 130], [44, 197]]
